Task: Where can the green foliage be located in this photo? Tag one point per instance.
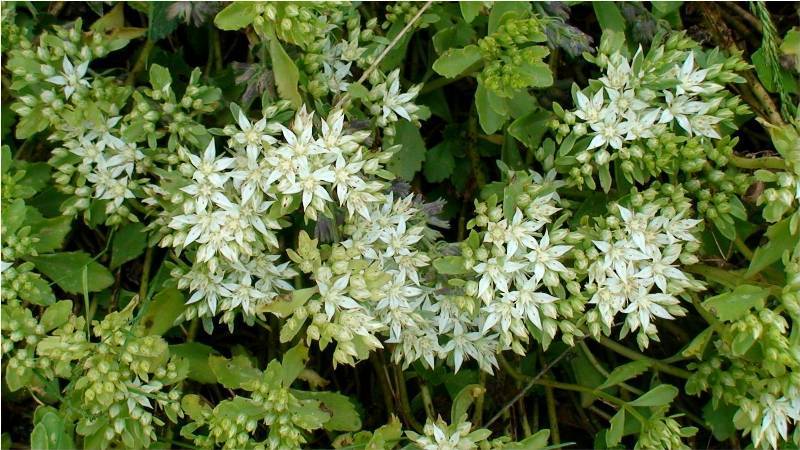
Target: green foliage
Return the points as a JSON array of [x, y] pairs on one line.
[[445, 198]]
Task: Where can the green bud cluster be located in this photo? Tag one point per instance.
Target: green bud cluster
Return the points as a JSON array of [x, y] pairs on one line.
[[400, 13], [661, 431], [123, 377], [511, 63], [752, 364]]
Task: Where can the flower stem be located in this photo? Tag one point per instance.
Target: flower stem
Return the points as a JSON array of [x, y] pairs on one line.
[[767, 162], [634, 355]]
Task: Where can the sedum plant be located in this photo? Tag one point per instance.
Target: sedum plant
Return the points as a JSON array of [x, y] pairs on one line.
[[423, 225]]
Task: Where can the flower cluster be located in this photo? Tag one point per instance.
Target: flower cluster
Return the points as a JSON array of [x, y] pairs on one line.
[[289, 414], [125, 377], [670, 94], [783, 194], [634, 265]]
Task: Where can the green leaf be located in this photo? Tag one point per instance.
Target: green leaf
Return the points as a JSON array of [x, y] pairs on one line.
[[725, 226], [605, 177], [439, 162], [294, 361], [233, 373], [56, 315], [470, 10], [489, 119], [530, 128], [664, 8], [344, 416], [625, 372], [450, 265], [236, 15], [284, 70], [408, 160], [456, 60], [197, 355], [66, 269], [51, 232], [50, 434], [616, 428], [162, 311], [13, 216], [608, 16], [39, 293], [500, 9], [195, 406], [733, 305], [720, 420], [160, 78], [111, 20], [586, 375], [464, 399], [357, 90], [536, 441], [660, 395], [283, 308], [159, 23], [129, 242], [780, 240]]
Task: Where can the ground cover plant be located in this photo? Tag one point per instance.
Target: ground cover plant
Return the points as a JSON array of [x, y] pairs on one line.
[[460, 225]]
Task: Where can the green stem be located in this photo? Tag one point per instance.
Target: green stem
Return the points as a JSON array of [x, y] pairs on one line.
[[743, 248], [767, 162], [383, 380], [472, 151], [145, 280], [599, 367], [141, 62], [439, 83], [634, 355], [600, 394], [552, 415], [405, 405], [427, 401], [477, 415]]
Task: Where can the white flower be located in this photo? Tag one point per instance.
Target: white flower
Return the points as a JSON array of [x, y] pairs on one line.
[[333, 295], [311, 185], [252, 136], [204, 285], [438, 436], [394, 103], [691, 81], [618, 72], [776, 415], [640, 125], [660, 269], [71, 77], [520, 233], [609, 131], [679, 108], [347, 176], [242, 293], [589, 110], [615, 257], [501, 311], [209, 169], [704, 126], [624, 101], [336, 75], [495, 272], [544, 257], [462, 344], [645, 305], [533, 304], [609, 302]]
